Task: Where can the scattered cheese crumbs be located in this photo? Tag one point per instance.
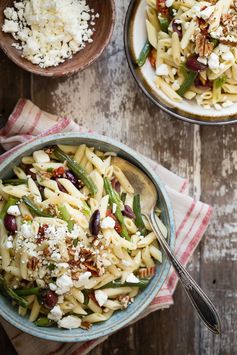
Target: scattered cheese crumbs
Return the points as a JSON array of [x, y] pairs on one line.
[[101, 297], [108, 222], [162, 70], [213, 61], [70, 322], [49, 31], [14, 211], [132, 278], [64, 284], [52, 287], [169, 3], [83, 279], [205, 14], [55, 314]]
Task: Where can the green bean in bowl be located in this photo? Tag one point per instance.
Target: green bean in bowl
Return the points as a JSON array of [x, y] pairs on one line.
[[75, 246]]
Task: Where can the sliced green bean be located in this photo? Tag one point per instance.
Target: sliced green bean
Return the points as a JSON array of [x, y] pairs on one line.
[[188, 81], [144, 54], [114, 198], [123, 197], [137, 210], [28, 291], [117, 283], [10, 202], [65, 215], [44, 322], [164, 23], [76, 168], [14, 182], [5, 289], [33, 208]]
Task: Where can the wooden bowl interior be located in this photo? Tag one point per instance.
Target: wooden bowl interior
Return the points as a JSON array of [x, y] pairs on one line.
[[103, 26]]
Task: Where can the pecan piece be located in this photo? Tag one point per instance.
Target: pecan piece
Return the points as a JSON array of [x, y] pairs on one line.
[[203, 47], [32, 263]]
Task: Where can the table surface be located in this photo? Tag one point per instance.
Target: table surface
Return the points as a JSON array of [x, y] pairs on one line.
[[106, 99]]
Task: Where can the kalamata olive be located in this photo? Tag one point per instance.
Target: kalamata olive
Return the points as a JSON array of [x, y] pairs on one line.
[[199, 84], [71, 177], [10, 223], [194, 65], [60, 186], [94, 224], [177, 28], [48, 298], [116, 185], [128, 212]]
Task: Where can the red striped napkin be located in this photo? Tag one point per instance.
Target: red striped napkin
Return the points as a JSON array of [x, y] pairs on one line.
[[192, 217]]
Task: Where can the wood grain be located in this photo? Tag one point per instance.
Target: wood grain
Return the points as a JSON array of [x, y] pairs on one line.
[[106, 99]]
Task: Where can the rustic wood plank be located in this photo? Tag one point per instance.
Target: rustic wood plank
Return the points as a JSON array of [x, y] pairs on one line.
[[106, 99], [219, 248]]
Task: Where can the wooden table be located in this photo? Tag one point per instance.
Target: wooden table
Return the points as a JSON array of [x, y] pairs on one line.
[[105, 98]]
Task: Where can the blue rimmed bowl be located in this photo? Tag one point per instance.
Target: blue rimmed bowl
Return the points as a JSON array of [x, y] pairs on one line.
[[120, 318]]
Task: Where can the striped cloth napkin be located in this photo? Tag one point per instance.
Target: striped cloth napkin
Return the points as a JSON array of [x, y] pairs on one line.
[[192, 217]]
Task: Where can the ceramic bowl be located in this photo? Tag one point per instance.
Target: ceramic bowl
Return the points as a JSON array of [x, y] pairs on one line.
[[135, 36], [103, 30], [120, 318]]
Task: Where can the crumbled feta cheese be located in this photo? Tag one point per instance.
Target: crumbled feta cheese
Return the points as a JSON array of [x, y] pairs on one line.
[[8, 244], [223, 48], [14, 210], [64, 284], [206, 13], [50, 32], [101, 297], [83, 279], [52, 287], [26, 230], [213, 61], [108, 222], [228, 56], [202, 60], [132, 278], [162, 70], [55, 314], [10, 26], [169, 3], [69, 322]]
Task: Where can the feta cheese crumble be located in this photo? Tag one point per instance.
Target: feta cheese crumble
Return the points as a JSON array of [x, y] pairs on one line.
[[108, 222], [14, 211], [101, 297], [55, 314], [64, 284], [49, 31]]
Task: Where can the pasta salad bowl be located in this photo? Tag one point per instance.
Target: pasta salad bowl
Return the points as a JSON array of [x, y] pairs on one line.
[[94, 148], [163, 73]]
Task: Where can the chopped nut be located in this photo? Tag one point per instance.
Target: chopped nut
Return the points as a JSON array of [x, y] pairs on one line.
[[203, 46], [32, 263]]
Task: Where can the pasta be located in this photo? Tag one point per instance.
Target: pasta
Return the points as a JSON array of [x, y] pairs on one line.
[[71, 251], [192, 47]]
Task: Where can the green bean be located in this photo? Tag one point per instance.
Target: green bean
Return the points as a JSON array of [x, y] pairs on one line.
[[77, 169], [12, 294], [10, 202], [28, 291], [86, 296], [65, 215], [113, 195], [188, 81], [114, 198], [144, 54], [117, 283], [137, 210], [164, 23], [44, 322], [33, 208], [14, 182]]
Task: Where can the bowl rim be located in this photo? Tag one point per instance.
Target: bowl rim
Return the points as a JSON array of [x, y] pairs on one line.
[[64, 336], [50, 73], [127, 23]]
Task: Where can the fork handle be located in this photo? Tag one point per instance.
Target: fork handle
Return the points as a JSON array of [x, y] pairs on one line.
[[198, 298]]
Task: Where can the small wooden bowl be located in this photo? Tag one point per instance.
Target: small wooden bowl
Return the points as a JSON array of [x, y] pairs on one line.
[[103, 30]]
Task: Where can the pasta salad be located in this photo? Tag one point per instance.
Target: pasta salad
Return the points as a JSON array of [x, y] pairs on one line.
[[74, 244], [192, 47]]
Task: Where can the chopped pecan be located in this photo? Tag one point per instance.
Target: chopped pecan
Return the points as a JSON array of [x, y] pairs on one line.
[[124, 300], [46, 251], [203, 47], [32, 263], [86, 325], [89, 264]]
